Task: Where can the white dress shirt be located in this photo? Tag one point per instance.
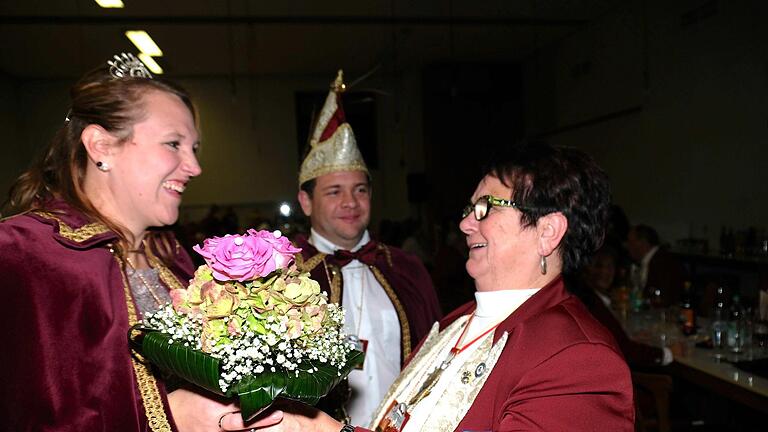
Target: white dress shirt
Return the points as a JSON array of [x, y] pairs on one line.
[[371, 316]]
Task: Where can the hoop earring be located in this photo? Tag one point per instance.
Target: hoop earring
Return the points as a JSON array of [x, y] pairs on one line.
[[102, 166], [543, 265]]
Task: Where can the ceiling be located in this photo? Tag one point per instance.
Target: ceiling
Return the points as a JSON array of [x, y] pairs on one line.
[[52, 39]]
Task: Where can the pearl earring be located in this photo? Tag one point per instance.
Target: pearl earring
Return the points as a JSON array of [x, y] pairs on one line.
[[102, 166]]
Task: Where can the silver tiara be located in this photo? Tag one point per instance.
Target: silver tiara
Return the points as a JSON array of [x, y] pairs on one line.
[[126, 65]]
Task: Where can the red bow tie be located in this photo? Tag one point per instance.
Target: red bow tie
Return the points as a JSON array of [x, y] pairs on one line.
[[366, 255]]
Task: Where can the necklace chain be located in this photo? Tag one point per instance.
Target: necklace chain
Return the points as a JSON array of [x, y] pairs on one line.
[[143, 281], [434, 377]]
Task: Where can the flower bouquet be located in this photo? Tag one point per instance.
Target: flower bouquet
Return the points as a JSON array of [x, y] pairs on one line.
[[250, 325]]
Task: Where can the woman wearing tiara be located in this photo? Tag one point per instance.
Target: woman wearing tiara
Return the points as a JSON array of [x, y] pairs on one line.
[[87, 255], [526, 355]]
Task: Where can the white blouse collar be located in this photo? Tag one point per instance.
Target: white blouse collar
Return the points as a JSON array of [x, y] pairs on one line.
[[500, 304]]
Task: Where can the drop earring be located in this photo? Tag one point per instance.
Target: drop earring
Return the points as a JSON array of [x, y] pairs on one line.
[[102, 166]]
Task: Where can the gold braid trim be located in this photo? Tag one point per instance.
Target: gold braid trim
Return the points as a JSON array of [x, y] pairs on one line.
[[336, 281], [79, 235], [311, 263], [387, 254], [166, 275], [405, 327], [332, 272], [150, 394]]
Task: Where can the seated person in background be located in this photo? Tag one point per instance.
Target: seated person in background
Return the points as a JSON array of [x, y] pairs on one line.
[[655, 270], [593, 285]]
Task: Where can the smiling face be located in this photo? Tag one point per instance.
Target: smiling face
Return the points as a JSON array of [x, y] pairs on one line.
[[340, 206], [502, 254], [150, 171]]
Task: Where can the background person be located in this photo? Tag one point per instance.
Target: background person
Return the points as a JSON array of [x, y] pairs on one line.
[[387, 294], [655, 271], [593, 285], [527, 355]]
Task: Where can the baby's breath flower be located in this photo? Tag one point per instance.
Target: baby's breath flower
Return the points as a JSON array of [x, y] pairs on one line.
[[281, 321]]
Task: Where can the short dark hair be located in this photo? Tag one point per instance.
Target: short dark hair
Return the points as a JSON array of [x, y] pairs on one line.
[[644, 232], [546, 179], [309, 185]]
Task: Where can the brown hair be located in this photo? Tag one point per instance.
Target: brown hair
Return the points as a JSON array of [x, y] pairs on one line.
[[115, 104]]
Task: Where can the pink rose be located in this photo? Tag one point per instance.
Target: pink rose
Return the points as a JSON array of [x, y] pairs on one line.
[[246, 257], [283, 250], [236, 257]]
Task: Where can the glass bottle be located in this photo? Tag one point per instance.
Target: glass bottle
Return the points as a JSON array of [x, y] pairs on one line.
[[736, 326], [687, 313], [719, 326]]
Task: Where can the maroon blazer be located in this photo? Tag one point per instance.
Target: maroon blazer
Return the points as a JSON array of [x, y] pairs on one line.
[[65, 363], [560, 371], [403, 277]]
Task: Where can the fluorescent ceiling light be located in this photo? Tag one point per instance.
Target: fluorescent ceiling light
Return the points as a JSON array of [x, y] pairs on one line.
[[150, 63], [109, 4], [144, 43]]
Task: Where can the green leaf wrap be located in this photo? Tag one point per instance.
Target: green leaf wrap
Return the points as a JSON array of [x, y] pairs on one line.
[[256, 392]]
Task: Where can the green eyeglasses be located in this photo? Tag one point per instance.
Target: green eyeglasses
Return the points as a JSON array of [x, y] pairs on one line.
[[483, 205]]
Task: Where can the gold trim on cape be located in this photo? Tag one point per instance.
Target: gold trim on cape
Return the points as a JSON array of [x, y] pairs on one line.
[[166, 275], [145, 380], [309, 264], [337, 281], [79, 235], [335, 286], [405, 326]]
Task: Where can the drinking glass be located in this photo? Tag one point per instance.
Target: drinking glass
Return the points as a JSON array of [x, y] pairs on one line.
[[760, 336]]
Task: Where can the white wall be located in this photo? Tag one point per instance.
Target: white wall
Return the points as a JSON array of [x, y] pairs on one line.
[[693, 157], [250, 153]]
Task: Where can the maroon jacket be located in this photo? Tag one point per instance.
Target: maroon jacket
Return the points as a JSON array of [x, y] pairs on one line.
[[560, 371], [403, 277], [66, 363]]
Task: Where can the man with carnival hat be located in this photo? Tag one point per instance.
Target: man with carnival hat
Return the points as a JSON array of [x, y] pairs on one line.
[[388, 295]]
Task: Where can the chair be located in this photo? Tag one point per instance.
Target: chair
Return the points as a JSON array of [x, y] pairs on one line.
[[658, 386]]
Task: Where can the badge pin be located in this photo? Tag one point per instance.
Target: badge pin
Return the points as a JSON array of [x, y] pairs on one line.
[[466, 377], [480, 369]]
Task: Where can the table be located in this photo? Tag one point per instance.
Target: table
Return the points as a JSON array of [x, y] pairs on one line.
[[697, 365]]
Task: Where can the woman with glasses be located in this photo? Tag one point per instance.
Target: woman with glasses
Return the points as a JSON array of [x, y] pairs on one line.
[[526, 355]]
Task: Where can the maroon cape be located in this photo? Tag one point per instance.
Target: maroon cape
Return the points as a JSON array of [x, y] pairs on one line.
[[403, 277], [66, 364], [559, 371]]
